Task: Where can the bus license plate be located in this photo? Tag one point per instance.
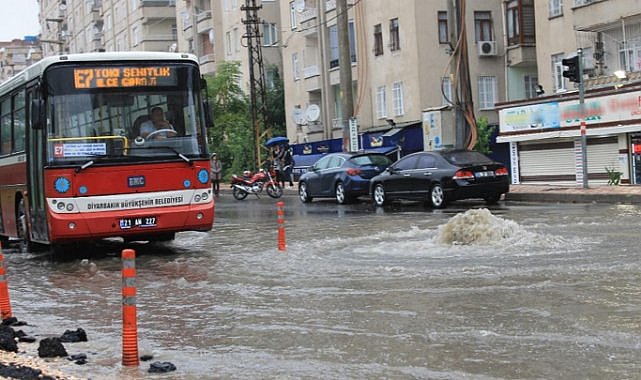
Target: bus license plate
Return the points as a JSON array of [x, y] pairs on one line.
[[145, 221]]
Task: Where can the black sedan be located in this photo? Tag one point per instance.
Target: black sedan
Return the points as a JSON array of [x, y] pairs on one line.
[[441, 176], [343, 176]]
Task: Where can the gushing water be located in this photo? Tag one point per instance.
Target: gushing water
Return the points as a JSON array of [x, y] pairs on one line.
[[478, 226]]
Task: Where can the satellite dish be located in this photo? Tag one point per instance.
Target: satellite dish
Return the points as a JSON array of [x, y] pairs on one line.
[[312, 113], [298, 115], [299, 5], [211, 36]]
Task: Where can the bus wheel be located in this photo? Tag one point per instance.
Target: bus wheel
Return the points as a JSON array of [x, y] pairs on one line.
[[22, 227]]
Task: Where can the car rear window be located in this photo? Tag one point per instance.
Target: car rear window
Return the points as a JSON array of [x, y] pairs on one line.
[[466, 157], [374, 159]]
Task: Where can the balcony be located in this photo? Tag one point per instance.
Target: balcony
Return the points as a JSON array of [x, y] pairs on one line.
[[308, 14], [151, 11], [330, 5], [204, 22], [311, 71], [521, 56]]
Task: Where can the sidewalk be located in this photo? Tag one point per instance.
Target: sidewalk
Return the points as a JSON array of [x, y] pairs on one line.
[[626, 194]]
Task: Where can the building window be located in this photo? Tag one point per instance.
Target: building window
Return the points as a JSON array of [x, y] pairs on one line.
[[378, 39], [557, 73], [270, 34], [512, 21], [236, 40], [446, 92], [292, 15], [228, 42], [483, 26], [487, 92], [397, 98], [334, 51], [555, 8], [443, 34], [333, 46], [135, 35], [295, 66], [381, 105], [629, 55], [530, 83], [395, 39]]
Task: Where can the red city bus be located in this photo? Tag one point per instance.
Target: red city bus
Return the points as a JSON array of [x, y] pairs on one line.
[[76, 163]]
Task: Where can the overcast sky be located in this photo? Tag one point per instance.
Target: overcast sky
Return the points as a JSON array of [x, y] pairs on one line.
[[19, 18]]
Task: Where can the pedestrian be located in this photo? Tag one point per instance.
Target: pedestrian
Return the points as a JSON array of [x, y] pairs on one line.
[[216, 168], [288, 165], [278, 162]]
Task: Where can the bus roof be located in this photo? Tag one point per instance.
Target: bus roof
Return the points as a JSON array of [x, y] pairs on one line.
[[39, 67]]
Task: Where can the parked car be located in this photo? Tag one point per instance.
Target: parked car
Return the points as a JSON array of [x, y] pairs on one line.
[[440, 177], [343, 176]]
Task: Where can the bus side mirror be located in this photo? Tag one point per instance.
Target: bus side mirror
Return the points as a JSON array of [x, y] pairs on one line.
[[208, 119], [37, 113]]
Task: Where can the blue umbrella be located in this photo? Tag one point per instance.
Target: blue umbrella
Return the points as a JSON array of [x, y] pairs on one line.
[[276, 141]]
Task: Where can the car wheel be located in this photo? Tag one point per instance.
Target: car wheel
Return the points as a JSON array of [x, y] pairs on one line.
[[302, 193], [492, 199], [378, 196], [341, 197], [437, 196]]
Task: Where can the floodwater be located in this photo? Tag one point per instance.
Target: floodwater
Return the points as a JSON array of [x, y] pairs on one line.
[[519, 291]]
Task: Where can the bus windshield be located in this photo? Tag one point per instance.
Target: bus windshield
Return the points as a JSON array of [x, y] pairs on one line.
[[123, 112]]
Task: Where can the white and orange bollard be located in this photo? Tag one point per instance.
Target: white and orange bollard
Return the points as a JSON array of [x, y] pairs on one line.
[[281, 226], [5, 303], [129, 324]]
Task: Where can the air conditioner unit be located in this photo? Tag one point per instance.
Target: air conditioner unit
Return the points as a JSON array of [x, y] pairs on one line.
[[487, 48]]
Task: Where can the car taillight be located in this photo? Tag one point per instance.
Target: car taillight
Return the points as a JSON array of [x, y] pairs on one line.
[[500, 171], [353, 171], [463, 174]]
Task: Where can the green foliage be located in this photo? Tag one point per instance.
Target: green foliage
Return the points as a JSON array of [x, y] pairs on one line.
[[484, 133], [614, 176], [275, 102], [232, 136]]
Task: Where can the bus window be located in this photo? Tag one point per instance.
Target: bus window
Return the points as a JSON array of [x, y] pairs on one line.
[[19, 121], [5, 127]]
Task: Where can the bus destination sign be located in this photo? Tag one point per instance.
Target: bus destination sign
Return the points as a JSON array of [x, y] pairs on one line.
[[111, 77]]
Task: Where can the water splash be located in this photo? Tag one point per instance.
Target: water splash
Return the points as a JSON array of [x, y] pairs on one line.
[[478, 226]]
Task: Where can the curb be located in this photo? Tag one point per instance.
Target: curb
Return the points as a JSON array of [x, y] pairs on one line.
[[574, 198]]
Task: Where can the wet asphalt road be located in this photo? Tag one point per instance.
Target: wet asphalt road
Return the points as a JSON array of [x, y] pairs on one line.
[[537, 291]]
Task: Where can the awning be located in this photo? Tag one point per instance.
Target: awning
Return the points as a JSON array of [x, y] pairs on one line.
[[306, 160], [392, 132]]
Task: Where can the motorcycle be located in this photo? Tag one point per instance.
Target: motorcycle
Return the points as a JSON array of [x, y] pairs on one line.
[[250, 183]]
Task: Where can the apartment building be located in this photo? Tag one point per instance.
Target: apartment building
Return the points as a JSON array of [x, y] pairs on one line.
[[401, 65], [16, 55], [107, 25], [196, 32], [545, 133]]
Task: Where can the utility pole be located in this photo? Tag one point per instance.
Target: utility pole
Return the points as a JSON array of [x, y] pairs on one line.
[[454, 20], [324, 69], [345, 67], [256, 77]]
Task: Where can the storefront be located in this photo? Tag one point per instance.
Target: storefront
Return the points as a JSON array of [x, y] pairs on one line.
[[545, 139], [395, 141]]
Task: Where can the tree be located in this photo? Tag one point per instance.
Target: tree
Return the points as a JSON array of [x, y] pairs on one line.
[[275, 99], [484, 134], [231, 136]]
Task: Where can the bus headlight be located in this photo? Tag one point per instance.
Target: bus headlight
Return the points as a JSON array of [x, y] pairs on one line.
[[60, 206]]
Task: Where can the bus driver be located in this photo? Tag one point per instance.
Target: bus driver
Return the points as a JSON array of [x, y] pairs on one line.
[[157, 127]]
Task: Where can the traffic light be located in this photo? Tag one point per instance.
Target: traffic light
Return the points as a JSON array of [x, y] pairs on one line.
[[573, 72]]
